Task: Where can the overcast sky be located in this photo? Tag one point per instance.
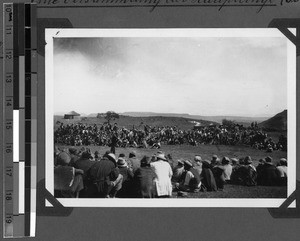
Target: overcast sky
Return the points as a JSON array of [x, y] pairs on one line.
[[204, 76]]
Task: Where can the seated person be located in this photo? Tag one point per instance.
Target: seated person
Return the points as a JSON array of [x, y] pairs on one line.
[[247, 173], [268, 175], [207, 178], [227, 168], [192, 180], [144, 179], [68, 180], [106, 178], [198, 165], [178, 171], [282, 171], [127, 188]]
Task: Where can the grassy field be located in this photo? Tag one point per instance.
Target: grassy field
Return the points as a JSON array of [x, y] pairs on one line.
[[206, 152]]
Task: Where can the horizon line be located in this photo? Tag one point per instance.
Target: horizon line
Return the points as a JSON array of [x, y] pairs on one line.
[[176, 113]]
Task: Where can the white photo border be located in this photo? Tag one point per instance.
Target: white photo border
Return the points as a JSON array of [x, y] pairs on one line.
[[51, 33]]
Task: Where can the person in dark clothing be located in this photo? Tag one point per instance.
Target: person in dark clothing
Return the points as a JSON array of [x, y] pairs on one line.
[[67, 180], [259, 169], [144, 179], [246, 174], [268, 175], [85, 163], [106, 177], [235, 176], [250, 178], [219, 177], [114, 141], [178, 171], [133, 162], [207, 178], [74, 156], [127, 184]]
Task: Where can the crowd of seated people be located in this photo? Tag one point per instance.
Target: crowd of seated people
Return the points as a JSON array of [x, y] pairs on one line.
[[78, 173], [78, 134]]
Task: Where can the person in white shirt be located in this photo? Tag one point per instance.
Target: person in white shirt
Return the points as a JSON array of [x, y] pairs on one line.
[[163, 174], [227, 168]]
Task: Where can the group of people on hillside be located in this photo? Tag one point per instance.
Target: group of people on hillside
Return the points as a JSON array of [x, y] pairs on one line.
[[106, 135], [79, 173]]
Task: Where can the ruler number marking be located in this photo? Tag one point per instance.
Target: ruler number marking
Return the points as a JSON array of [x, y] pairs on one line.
[[8, 196], [9, 78], [9, 54], [9, 172], [8, 219], [8, 102], [8, 125]]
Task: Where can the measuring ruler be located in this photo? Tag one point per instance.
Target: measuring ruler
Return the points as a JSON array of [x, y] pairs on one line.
[[20, 119]]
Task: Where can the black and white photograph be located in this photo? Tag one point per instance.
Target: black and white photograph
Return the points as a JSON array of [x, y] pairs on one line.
[[170, 117]]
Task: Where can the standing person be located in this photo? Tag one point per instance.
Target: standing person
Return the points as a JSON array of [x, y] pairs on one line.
[[144, 179], [114, 142], [163, 174]]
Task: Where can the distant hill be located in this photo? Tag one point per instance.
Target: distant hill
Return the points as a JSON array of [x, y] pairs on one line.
[[244, 120], [92, 115], [218, 119], [277, 122]]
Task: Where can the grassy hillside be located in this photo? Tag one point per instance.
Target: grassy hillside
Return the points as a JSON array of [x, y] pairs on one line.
[[276, 123], [218, 119]]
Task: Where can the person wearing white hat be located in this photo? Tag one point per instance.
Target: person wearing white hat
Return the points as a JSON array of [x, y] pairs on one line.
[[163, 174]]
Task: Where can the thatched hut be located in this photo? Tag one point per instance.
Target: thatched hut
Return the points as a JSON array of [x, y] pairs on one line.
[[72, 115]]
